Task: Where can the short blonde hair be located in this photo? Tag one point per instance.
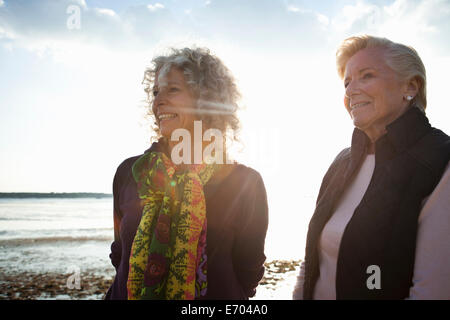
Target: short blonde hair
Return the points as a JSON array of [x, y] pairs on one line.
[[404, 60], [209, 79]]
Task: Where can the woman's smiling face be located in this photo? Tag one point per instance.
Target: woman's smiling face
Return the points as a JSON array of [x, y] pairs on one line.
[[174, 103], [374, 93]]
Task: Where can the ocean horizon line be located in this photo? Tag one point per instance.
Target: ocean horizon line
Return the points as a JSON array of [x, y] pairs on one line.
[[71, 195]]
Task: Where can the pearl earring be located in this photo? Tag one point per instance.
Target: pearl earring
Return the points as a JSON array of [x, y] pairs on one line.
[[409, 98]]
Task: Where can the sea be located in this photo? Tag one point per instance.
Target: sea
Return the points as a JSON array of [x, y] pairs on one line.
[[55, 235], [61, 235]]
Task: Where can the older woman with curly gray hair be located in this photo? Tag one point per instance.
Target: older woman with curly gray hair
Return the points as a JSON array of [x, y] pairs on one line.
[[187, 226], [381, 228], [209, 81]]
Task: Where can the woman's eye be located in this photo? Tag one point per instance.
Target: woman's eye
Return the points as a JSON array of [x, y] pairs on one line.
[[155, 93], [367, 76], [173, 89], [346, 84]]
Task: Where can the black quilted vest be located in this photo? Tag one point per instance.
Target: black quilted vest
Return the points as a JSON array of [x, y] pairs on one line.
[[409, 162]]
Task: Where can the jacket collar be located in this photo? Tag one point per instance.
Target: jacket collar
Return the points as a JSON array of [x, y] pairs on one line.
[[159, 146], [401, 134]]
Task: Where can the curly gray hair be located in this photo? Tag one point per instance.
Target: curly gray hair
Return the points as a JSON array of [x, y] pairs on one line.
[[210, 81]]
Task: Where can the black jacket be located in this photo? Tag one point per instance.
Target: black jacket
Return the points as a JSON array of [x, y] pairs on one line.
[[409, 162]]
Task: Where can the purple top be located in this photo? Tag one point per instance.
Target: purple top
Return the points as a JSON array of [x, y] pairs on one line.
[[237, 215]]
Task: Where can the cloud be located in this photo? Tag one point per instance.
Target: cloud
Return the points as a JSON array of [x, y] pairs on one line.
[[41, 26], [293, 9], [107, 12], [400, 19], [5, 34], [265, 24], [296, 9], [155, 7], [361, 15], [258, 24], [323, 19]]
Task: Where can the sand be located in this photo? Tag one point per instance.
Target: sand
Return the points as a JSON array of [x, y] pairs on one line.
[[277, 283]]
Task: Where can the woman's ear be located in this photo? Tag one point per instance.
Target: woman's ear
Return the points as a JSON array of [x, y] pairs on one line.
[[412, 87]]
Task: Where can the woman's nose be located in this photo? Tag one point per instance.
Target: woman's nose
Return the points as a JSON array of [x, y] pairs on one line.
[[158, 101], [351, 89], [348, 89], [159, 98]]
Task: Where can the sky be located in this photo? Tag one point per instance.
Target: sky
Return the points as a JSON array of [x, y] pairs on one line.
[[72, 105]]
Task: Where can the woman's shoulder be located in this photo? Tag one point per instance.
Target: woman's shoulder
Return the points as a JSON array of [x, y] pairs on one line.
[[243, 172], [124, 170], [433, 151], [340, 160], [126, 164], [343, 155], [250, 173], [244, 177], [236, 176]]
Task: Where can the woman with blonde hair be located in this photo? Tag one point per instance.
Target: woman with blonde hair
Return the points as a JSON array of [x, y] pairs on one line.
[[381, 227], [187, 227]]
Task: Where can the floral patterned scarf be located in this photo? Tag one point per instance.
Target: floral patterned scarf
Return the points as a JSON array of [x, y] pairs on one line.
[[168, 255]]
